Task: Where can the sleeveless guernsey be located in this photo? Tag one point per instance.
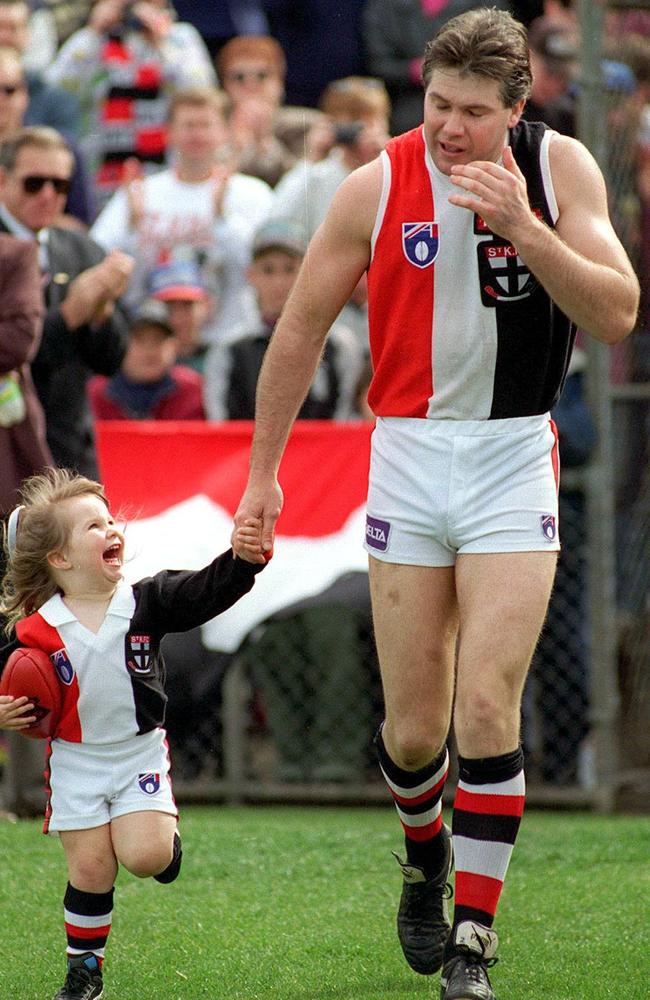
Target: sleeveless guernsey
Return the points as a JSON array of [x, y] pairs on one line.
[[459, 327]]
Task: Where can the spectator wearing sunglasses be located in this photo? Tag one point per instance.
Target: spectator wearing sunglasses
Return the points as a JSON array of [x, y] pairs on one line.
[[79, 207], [251, 70], [85, 330]]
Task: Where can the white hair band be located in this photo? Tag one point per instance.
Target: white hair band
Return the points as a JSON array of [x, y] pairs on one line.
[[12, 527]]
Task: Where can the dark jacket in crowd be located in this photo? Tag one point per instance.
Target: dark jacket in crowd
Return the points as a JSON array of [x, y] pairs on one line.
[[177, 396], [51, 106], [321, 40], [67, 358]]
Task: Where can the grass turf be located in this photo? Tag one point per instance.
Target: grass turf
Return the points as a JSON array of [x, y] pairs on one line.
[[299, 904]]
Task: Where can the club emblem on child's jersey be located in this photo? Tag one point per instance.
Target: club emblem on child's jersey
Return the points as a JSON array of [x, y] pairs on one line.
[[377, 533], [149, 782], [62, 665], [420, 242], [504, 276], [138, 650], [549, 529]]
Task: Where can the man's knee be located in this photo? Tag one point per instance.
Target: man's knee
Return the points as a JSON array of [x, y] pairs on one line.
[[411, 746]]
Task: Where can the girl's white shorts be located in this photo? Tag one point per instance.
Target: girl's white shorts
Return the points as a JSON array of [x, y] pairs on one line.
[[92, 784]]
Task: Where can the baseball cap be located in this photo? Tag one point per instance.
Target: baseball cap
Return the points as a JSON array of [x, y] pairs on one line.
[[176, 280], [152, 312], [554, 41], [279, 234]]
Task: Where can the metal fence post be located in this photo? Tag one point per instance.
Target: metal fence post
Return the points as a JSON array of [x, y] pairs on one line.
[[236, 692], [601, 567]]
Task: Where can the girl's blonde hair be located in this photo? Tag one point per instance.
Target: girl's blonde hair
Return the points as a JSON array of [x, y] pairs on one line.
[[28, 582]]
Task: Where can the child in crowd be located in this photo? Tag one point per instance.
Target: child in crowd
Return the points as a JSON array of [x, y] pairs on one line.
[[180, 286], [150, 385], [110, 795], [232, 369]]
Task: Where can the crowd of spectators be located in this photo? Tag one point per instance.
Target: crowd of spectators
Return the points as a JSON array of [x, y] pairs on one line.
[[169, 163], [190, 127]]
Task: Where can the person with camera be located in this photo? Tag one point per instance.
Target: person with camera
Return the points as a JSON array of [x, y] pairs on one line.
[[123, 67], [352, 132]]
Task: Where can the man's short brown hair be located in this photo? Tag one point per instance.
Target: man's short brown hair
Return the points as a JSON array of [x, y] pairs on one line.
[[485, 42], [357, 97], [37, 136], [199, 97]]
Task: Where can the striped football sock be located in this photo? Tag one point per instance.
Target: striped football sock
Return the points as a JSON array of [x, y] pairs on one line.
[[487, 812], [418, 800], [88, 918]]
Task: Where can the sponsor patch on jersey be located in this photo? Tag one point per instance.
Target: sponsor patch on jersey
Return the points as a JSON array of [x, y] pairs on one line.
[[377, 533], [62, 665], [481, 227], [420, 242], [503, 275], [138, 653], [549, 526], [149, 782]]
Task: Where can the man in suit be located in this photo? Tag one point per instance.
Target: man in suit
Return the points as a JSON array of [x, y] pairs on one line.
[[85, 329], [23, 450]]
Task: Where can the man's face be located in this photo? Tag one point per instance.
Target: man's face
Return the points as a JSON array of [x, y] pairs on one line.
[[36, 209], [13, 97], [14, 25], [465, 118], [197, 133], [250, 77]]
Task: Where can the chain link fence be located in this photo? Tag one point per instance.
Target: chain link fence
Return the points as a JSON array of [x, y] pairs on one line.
[[293, 714]]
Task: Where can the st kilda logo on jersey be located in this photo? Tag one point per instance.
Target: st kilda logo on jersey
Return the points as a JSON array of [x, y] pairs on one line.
[[503, 275], [420, 242], [138, 651]]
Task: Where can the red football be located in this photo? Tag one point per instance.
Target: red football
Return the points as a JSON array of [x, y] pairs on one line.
[[30, 672]]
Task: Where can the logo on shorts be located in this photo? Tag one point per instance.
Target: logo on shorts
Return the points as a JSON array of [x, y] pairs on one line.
[[149, 782], [62, 665], [138, 649], [420, 242], [377, 533], [549, 527]]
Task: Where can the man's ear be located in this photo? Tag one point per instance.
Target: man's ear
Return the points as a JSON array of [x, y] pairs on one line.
[[516, 112], [58, 560]]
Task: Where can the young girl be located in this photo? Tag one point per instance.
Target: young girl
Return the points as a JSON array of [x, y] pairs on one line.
[[110, 796]]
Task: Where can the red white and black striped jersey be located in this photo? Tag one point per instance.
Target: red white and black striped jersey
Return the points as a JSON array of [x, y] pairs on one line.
[[113, 680], [459, 327]]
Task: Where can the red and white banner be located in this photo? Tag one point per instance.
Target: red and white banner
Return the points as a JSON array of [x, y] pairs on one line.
[[178, 484]]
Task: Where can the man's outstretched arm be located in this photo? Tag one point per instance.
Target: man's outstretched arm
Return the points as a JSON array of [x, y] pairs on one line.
[[335, 260]]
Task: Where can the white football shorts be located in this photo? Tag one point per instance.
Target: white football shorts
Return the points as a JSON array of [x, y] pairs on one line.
[[442, 487], [92, 784]]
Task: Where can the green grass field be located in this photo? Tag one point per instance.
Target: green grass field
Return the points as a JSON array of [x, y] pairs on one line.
[[299, 904]]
